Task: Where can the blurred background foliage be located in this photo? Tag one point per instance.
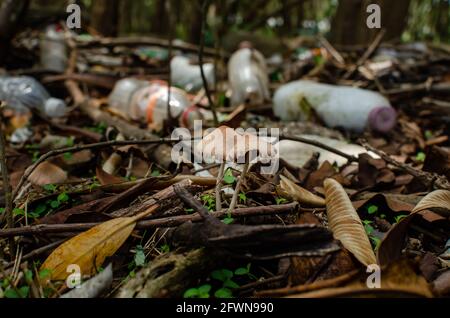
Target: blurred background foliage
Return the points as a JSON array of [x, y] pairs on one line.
[[343, 21]]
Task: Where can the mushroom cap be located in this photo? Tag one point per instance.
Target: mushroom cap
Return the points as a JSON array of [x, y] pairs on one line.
[[225, 144], [47, 173]]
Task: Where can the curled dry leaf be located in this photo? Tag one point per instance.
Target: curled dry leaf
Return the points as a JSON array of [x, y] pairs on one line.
[[439, 199], [345, 223], [291, 190], [47, 173], [89, 249]]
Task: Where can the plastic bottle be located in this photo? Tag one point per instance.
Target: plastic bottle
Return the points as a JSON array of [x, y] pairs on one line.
[[120, 98], [298, 153], [188, 76], [248, 77], [53, 49], [146, 102], [351, 108], [23, 93]]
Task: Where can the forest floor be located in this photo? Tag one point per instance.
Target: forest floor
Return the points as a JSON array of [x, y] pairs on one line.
[[95, 198]]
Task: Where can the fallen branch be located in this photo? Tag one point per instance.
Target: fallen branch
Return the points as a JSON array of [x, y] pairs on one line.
[[151, 224]]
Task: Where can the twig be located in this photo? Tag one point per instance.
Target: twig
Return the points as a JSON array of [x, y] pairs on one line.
[[334, 53], [238, 185], [8, 213], [38, 251], [200, 60], [431, 180], [151, 224], [218, 186], [372, 47], [77, 148]]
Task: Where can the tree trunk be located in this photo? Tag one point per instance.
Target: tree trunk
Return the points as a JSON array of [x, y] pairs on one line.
[[11, 12], [105, 16], [349, 25]]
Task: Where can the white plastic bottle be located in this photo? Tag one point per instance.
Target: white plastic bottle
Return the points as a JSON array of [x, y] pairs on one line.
[[351, 108], [248, 77], [188, 76], [23, 93], [53, 49]]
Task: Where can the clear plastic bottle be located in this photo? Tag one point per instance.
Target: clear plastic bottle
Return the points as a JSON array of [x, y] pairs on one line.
[[248, 77], [120, 98], [53, 49], [351, 108], [23, 93], [188, 76]]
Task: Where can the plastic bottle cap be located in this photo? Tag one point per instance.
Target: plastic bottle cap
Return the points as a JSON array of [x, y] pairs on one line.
[[55, 107], [382, 119]]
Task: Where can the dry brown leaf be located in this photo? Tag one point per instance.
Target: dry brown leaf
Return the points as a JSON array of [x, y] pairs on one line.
[[297, 193], [89, 249], [439, 199], [345, 223], [47, 173]]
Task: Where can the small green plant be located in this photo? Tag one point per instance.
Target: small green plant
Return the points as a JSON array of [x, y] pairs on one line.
[[398, 218], [420, 157], [139, 256], [188, 210], [372, 209], [279, 200], [199, 292], [165, 248], [155, 173], [209, 201], [228, 220], [369, 230], [242, 197], [245, 271], [228, 177]]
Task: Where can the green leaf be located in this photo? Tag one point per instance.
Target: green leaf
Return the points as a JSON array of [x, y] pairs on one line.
[[40, 209], [369, 229], [228, 220], [18, 211], [204, 289], [22, 292], [242, 197], [191, 293], [230, 284], [55, 204], [222, 274], [399, 218], [63, 197], [50, 188], [228, 177], [421, 157], [280, 200], [241, 271], [2, 210], [67, 155], [139, 257], [223, 293], [372, 209], [165, 248], [155, 173]]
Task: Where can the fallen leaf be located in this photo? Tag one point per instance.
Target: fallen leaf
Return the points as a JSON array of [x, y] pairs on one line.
[[89, 249], [291, 190], [345, 223], [439, 199]]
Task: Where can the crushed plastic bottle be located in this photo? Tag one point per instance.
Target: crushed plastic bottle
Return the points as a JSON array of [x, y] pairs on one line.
[[188, 76], [53, 49], [248, 77], [298, 153], [146, 102], [351, 108], [24, 93]]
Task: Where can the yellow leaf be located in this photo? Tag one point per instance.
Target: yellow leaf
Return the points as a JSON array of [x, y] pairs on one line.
[[439, 199], [89, 249], [345, 223], [297, 193]]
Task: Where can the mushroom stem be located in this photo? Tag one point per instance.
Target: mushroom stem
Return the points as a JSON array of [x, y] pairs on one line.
[[218, 186], [238, 186]]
